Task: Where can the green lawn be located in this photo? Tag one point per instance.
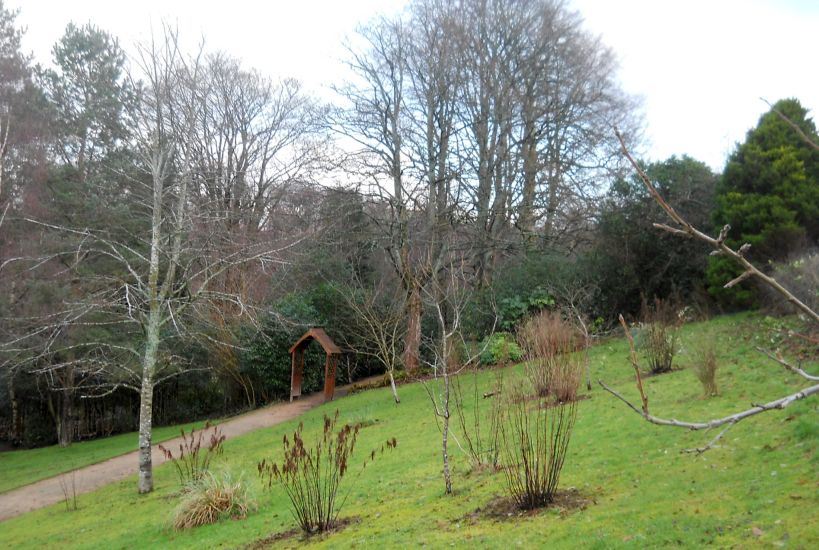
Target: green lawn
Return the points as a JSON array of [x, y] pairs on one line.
[[759, 489], [18, 468]]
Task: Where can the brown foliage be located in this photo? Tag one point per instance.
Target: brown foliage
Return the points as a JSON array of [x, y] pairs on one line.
[[705, 367], [311, 475], [658, 335], [550, 344], [193, 462]]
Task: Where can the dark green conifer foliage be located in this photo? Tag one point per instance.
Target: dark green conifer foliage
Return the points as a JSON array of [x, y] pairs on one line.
[[769, 194]]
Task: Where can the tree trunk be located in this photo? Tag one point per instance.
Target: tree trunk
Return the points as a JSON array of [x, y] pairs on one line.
[[15, 409], [445, 435], [66, 434], [146, 398], [526, 218], [61, 415], [392, 386], [65, 427], [412, 341]]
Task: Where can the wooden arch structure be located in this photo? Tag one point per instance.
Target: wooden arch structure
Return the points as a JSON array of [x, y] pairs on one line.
[[297, 364]]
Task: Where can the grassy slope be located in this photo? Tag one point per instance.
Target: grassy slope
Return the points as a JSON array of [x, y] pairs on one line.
[[646, 493], [18, 468]]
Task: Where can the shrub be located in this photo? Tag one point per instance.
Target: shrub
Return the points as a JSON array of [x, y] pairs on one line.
[[480, 430], [657, 338], [311, 475], [534, 444], [705, 367], [500, 348], [212, 498], [193, 462], [549, 344]]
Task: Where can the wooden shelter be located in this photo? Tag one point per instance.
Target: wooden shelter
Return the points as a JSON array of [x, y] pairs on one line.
[[297, 365]]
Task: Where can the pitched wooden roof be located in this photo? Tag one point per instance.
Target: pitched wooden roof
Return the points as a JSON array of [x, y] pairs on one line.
[[317, 334]]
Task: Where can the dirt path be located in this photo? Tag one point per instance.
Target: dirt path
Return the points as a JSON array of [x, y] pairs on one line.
[[89, 478]]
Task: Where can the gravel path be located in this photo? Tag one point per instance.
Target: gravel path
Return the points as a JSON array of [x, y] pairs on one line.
[[89, 478]]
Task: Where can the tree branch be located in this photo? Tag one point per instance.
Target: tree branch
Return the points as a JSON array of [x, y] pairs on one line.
[[718, 244], [781, 360], [780, 403]]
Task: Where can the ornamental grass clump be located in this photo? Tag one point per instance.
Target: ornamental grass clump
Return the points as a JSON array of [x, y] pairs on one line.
[[705, 368], [193, 460], [211, 499], [657, 339], [311, 475]]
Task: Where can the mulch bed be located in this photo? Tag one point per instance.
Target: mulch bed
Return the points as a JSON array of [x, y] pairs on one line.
[[566, 501], [297, 536]]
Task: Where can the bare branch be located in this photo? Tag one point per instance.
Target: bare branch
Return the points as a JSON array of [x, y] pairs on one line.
[[730, 420], [792, 124], [781, 360], [780, 403], [711, 444], [718, 244]]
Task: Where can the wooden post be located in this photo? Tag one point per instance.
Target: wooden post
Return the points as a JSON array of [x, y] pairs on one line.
[[330, 376], [296, 372]]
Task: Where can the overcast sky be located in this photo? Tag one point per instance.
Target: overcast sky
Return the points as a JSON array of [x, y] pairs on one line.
[[701, 66]]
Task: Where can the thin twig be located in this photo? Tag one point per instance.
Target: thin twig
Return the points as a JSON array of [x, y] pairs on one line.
[[710, 444]]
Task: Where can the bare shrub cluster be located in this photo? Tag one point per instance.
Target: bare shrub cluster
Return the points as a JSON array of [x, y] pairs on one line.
[[479, 428], [311, 475], [193, 460], [657, 339], [212, 498], [550, 344], [534, 436], [705, 367]]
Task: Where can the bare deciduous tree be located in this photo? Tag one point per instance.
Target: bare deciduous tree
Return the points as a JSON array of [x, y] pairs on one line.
[[536, 99], [166, 284], [447, 297], [379, 325], [400, 114]]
